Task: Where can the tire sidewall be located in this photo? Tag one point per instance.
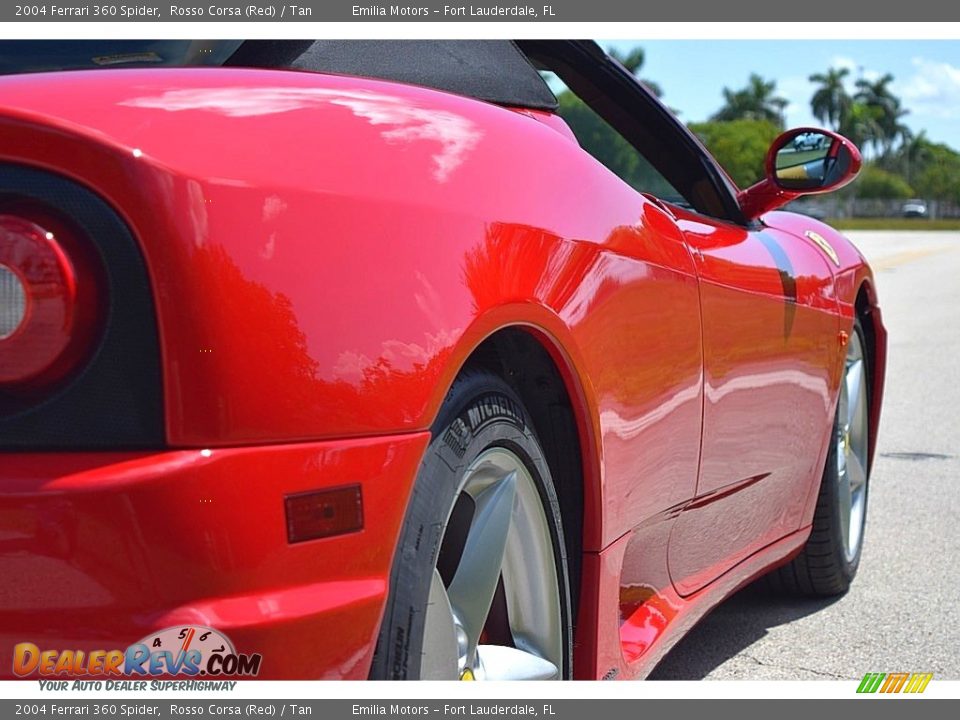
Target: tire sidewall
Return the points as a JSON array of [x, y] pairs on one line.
[[831, 480], [481, 412]]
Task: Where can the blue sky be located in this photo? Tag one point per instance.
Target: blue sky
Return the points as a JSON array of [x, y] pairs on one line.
[[693, 73]]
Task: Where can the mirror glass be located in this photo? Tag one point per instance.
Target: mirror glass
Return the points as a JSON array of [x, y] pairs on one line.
[[811, 161]]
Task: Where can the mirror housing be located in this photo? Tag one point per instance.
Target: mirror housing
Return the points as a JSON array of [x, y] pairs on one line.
[[802, 161]]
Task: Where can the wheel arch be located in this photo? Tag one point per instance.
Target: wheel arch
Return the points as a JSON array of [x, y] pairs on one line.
[[868, 312], [542, 372]]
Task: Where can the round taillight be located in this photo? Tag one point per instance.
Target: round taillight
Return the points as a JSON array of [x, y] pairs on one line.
[[13, 302], [45, 314]]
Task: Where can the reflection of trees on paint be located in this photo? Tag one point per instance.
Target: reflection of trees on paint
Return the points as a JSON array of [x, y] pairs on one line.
[[271, 350], [621, 315], [520, 263], [274, 348], [611, 149]]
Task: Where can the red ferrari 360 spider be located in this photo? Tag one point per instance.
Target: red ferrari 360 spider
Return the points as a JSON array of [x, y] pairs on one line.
[[408, 360]]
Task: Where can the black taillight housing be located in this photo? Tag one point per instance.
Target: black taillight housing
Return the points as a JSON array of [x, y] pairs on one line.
[[79, 344]]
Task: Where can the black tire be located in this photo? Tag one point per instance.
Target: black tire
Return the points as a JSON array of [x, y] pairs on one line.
[[822, 568], [479, 413]]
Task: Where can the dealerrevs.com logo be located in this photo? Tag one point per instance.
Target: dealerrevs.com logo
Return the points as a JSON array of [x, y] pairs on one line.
[[191, 650]]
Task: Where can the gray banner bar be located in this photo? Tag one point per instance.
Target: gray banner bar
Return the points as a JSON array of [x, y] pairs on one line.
[[787, 709], [457, 11]]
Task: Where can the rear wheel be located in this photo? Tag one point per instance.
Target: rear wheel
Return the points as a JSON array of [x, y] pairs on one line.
[[479, 586], [831, 556]]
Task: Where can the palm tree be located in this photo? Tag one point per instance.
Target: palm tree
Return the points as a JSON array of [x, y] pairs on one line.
[[757, 101], [886, 108], [830, 103], [877, 92], [913, 154], [861, 125]]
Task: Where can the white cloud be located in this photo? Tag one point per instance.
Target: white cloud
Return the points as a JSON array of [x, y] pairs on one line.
[[857, 71], [932, 90], [797, 90], [843, 62]]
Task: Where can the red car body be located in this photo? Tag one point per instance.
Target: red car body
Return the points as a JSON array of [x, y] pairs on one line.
[[316, 294]]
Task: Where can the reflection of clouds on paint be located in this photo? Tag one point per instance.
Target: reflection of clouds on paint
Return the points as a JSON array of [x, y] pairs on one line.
[[454, 132], [273, 207], [933, 89], [429, 301], [402, 121], [266, 252], [396, 355], [404, 355], [611, 421], [197, 207]]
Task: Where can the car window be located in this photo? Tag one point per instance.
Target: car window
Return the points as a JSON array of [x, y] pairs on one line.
[[24, 56], [598, 138]]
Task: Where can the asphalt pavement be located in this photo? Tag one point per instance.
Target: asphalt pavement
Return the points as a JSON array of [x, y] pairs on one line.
[[903, 611]]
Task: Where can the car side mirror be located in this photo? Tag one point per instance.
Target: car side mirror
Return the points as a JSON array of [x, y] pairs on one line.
[[803, 161]]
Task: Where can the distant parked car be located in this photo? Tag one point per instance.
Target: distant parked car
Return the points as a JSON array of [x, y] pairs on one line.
[[914, 209]]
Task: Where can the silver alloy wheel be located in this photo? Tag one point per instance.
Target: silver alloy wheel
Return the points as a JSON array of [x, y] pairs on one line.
[[852, 444], [509, 538]]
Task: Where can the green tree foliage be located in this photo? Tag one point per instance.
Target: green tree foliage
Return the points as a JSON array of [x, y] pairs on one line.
[[757, 101], [905, 164], [596, 137], [609, 147], [876, 183], [886, 112], [939, 175], [861, 124], [871, 117], [740, 146], [911, 157], [740, 133]]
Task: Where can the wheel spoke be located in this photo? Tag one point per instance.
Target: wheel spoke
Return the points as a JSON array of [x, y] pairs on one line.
[[498, 662], [856, 474], [854, 381], [440, 651], [475, 582], [851, 448]]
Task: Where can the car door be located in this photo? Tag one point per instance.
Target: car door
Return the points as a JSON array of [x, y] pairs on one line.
[[770, 329], [768, 341], [641, 342]]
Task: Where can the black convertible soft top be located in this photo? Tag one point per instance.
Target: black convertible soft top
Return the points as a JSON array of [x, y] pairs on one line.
[[491, 70]]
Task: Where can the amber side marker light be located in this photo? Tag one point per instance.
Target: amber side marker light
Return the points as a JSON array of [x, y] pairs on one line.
[[48, 304], [324, 513]]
